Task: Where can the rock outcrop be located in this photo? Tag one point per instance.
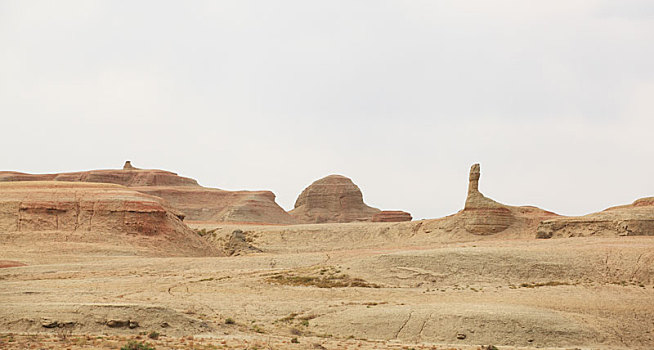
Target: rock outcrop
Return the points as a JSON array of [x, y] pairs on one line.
[[636, 219], [391, 216], [484, 216], [334, 198], [91, 212], [184, 194], [211, 204], [238, 244], [128, 166]]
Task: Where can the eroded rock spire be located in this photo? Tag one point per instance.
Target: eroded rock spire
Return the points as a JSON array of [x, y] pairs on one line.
[[128, 165], [473, 179]]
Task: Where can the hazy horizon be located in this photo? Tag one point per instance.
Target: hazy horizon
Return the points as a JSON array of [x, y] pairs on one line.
[[554, 99]]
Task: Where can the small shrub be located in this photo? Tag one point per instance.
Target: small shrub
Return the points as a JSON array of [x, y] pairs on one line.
[[154, 335], [294, 341], [229, 320], [134, 345]]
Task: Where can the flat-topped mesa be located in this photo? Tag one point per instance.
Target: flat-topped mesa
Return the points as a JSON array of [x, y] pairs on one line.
[[182, 193], [334, 198], [96, 212]]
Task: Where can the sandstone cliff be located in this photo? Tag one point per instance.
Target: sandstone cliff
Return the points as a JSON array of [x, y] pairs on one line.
[[85, 212], [184, 194], [636, 219], [334, 198]]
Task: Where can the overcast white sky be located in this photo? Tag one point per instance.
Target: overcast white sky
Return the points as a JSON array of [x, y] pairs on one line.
[[555, 99]]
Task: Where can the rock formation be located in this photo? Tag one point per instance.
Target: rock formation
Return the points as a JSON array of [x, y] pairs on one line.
[[105, 212], [391, 216], [128, 166], [484, 216], [238, 244], [636, 219], [334, 198], [184, 194]]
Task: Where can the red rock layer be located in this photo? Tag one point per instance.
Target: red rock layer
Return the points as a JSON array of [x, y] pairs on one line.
[[210, 204], [184, 194], [391, 216], [334, 198], [97, 211]]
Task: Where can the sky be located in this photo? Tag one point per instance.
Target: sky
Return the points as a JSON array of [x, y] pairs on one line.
[[555, 99]]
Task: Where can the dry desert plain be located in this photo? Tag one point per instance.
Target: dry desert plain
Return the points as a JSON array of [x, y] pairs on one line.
[[478, 279]]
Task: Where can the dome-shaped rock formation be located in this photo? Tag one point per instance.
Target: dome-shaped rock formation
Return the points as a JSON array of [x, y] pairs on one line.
[[88, 212], [636, 219], [334, 198], [183, 194]]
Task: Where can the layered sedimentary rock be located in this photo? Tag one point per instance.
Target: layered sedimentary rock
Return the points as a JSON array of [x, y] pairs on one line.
[[126, 177], [211, 204], [391, 216], [636, 219], [484, 216], [184, 194], [334, 198], [97, 212]]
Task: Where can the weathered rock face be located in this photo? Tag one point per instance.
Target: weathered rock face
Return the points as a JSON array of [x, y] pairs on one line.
[[94, 211], [334, 198], [391, 216], [211, 204], [484, 216], [184, 194], [636, 219]]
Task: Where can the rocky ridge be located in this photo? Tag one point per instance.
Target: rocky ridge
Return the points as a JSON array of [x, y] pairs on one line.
[[636, 219], [85, 212], [184, 194]]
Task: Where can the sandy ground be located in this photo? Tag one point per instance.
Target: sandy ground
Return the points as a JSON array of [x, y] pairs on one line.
[[336, 286]]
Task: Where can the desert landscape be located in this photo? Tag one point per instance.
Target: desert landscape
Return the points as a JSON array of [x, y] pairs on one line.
[[139, 259], [327, 175]]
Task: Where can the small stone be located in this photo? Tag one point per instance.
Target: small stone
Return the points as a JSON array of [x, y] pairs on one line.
[[47, 323], [133, 324], [460, 336], [117, 323]]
